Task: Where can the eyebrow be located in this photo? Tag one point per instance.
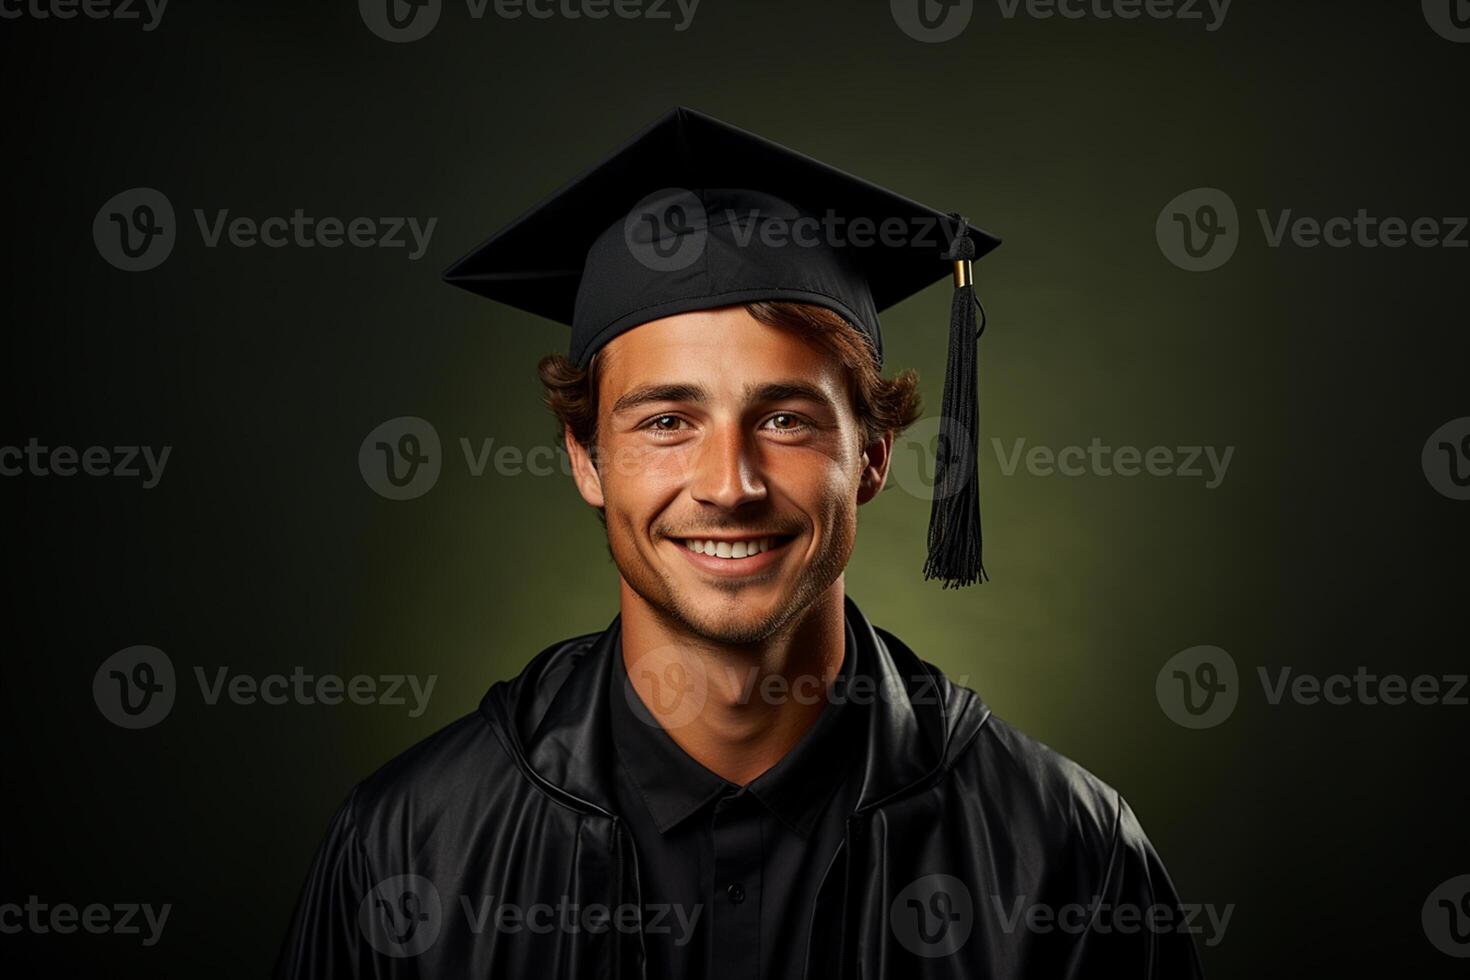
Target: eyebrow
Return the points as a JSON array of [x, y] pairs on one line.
[[770, 391]]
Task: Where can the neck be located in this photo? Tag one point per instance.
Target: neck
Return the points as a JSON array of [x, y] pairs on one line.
[[736, 709]]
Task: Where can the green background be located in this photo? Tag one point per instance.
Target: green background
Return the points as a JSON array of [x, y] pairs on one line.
[[262, 548]]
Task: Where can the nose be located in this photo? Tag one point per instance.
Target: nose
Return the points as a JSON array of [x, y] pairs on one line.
[[726, 468]]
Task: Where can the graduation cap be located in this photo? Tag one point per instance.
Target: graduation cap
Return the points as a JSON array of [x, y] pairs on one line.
[[693, 213]]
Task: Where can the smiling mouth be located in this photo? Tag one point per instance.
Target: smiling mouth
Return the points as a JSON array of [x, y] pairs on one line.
[[734, 548]]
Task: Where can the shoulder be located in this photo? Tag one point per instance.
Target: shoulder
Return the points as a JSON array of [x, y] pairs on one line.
[[473, 764], [463, 749], [1042, 798], [1001, 782]]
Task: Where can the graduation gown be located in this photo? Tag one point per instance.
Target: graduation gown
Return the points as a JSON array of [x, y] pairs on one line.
[[494, 849]]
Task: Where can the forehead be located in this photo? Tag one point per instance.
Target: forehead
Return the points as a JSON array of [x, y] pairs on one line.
[[723, 349]]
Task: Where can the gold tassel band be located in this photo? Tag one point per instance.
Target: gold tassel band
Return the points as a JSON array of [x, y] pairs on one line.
[[964, 273]]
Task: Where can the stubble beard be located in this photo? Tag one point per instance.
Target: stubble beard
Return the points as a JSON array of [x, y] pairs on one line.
[[685, 613]]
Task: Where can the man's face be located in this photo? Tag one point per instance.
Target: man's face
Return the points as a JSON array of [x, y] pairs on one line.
[[714, 426]]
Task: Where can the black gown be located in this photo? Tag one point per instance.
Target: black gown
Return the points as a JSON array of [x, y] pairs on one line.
[[494, 848]]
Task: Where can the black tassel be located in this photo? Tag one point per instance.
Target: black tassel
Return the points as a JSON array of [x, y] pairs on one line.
[[954, 520]]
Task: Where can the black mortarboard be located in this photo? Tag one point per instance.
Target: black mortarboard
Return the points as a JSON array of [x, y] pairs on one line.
[[693, 213]]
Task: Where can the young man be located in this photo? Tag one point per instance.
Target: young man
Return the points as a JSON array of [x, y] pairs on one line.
[[740, 776]]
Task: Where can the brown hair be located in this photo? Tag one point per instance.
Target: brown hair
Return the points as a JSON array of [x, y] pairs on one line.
[[880, 404]]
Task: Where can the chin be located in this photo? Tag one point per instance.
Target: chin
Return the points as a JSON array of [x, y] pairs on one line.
[[740, 628], [741, 614]]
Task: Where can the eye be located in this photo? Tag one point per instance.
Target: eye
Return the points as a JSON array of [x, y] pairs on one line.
[[655, 425], [789, 422]]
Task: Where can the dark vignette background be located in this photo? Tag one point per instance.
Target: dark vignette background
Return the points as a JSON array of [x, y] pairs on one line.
[[262, 549]]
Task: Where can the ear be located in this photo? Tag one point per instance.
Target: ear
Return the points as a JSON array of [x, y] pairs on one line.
[[584, 471], [876, 457]]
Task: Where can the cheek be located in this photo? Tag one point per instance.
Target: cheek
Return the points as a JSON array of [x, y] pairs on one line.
[[820, 484], [634, 475]]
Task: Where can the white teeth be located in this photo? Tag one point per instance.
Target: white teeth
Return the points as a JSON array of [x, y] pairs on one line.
[[728, 549]]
